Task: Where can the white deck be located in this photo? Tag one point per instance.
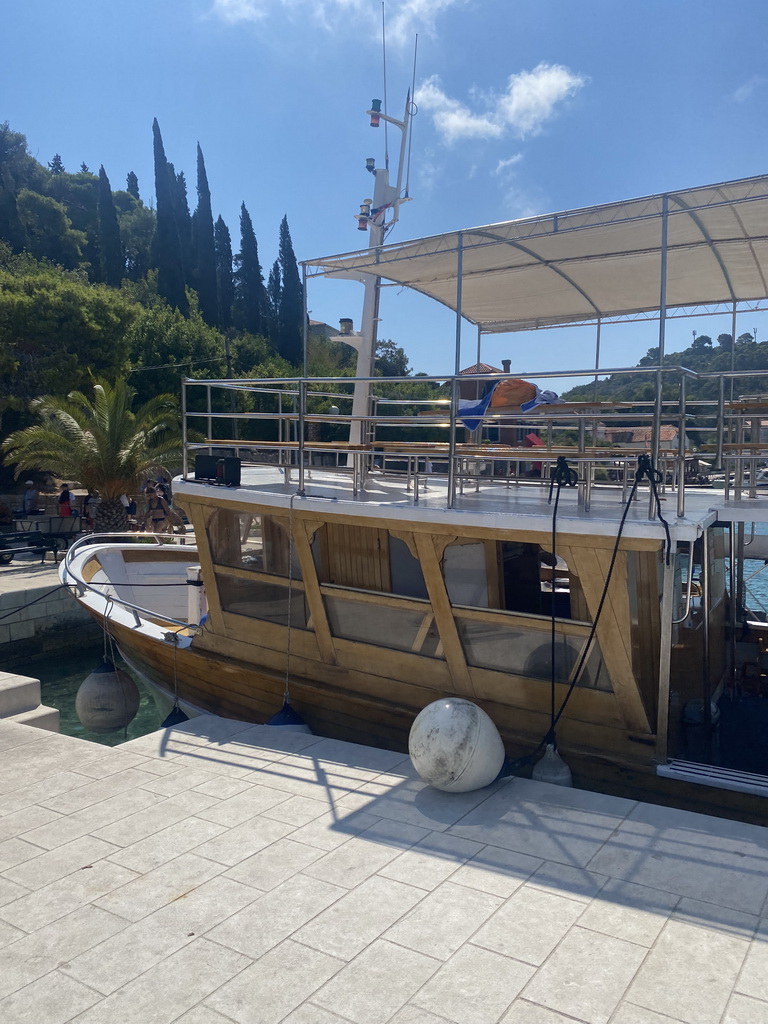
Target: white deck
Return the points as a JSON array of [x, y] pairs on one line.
[[484, 502], [221, 872]]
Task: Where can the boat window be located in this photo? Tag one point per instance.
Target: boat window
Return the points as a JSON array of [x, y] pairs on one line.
[[367, 558], [534, 582], [260, 600], [400, 629], [465, 573], [246, 541], [405, 571], [353, 556], [527, 652]]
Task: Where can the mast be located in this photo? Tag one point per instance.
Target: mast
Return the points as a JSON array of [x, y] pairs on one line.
[[377, 215]]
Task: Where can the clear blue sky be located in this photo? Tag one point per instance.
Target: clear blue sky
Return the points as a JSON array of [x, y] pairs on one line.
[[526, 106]]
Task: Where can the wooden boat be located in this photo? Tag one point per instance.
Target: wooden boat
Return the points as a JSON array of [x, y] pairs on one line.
[[365, 578]]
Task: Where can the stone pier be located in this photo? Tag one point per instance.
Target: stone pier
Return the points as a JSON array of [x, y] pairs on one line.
[[37, 615]]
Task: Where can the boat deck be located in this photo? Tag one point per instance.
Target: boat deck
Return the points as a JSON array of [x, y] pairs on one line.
[[482, 501], [222, 872]]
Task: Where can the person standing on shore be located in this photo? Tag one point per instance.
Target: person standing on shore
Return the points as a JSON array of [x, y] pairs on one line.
[[65, 501], [29, 501], [90, 501], [158, 517]]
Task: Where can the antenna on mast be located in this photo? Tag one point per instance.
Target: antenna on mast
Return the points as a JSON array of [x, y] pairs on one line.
[[384, 61], [412, 111]]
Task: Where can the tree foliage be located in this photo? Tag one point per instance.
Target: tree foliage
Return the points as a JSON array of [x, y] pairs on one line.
[[250, 295], [112, 263], [291, 307], [99, 441], [54, 328], [165, 346], [225, 282], [205, 247], [701, 356], [166, 250]]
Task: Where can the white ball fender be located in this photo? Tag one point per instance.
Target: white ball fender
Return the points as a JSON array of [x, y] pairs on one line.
[[454, 746], [108, 699]]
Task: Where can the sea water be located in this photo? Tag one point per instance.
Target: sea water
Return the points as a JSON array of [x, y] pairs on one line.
[[60, 678]]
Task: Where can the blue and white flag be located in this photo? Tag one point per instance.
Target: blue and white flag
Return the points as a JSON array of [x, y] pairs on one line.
[[541, 398], [472, 410]]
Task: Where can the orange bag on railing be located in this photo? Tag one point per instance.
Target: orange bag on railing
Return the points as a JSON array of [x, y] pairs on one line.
[[511, 393]]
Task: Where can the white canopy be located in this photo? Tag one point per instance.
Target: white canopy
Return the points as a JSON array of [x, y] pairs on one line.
[[607, 261]]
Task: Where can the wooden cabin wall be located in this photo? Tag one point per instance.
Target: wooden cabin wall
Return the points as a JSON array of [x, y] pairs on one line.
[[348, 559], [645, 604]]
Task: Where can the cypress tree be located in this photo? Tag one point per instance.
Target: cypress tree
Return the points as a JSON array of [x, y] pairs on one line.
[[250, 294], [56, 166], [166, 245], [132, 186], [109, 233], [274, 287], [205, 249], [291, 314], [183, 221], [225, 284]]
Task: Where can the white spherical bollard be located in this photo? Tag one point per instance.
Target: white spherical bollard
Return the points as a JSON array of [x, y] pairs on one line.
[[454, 746], [108, 699]]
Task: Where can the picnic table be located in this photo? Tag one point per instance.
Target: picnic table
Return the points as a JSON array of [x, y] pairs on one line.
[[64, 528]]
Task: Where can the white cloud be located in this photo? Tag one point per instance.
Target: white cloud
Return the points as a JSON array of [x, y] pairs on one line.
[[503, 166], [532, 96], [234, 11], [404, 18], [453, 119], [530, 99], [751, 85]]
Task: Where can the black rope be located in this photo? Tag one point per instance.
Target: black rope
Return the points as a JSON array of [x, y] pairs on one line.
[[15, 611], [645, 470], [563, 476]]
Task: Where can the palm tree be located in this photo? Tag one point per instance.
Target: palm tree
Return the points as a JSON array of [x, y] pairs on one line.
[[100, 443]]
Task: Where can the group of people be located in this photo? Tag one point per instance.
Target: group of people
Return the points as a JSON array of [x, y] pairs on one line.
[[159, 517]]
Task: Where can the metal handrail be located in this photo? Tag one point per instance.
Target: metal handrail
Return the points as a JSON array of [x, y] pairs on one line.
[[712, 416], [689, 589], [109, 538]]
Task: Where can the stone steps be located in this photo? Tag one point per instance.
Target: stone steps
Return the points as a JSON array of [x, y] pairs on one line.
[[20, 702]]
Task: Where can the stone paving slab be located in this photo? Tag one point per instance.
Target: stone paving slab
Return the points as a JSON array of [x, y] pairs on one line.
[[225, 873]]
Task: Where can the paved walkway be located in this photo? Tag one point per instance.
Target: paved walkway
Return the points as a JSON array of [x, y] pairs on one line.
[[220, 872]]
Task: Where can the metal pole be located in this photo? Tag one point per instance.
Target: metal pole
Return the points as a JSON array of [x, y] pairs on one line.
[[479, 337], [597, 355], [733, 345], [302, 409], [681, 453], [305, 331], [456, 371], [732, 586], [452, 443], [720, 431], [665, 654], [656, 429], [184, 453], [459, 282], [210, 418], [707, 694]]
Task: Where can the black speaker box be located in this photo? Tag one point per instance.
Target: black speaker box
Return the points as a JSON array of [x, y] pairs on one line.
[[205, 467], [228, 472]]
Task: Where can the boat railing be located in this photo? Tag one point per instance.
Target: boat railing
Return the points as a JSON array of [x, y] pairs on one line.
[[71, 578], [417, 427]]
